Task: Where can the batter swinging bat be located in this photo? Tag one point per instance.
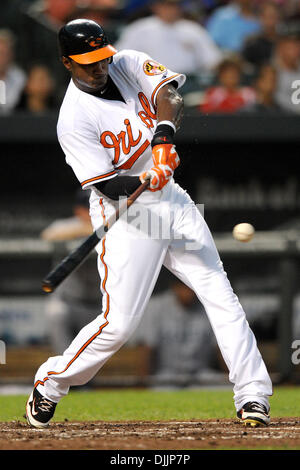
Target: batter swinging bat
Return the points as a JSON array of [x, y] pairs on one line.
[[77, 256]]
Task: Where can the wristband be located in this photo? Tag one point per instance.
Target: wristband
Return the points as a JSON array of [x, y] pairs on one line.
[[164, 133], [168, 123]]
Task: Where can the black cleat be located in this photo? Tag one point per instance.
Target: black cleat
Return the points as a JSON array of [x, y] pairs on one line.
[[253, 414], [39, 410]]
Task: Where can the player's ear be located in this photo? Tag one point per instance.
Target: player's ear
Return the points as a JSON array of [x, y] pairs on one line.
[[110, 59], [67, 62]]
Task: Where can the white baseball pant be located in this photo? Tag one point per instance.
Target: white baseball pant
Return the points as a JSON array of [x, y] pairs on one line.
[[129, 263]]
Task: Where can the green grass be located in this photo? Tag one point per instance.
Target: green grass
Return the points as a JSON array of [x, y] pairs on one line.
[[123, 405]]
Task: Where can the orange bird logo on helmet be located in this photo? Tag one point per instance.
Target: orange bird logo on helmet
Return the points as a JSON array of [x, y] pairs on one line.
[[94, 42]]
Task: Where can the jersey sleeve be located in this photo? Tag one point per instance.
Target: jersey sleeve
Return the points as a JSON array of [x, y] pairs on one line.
[[90, 163], [151, 75]]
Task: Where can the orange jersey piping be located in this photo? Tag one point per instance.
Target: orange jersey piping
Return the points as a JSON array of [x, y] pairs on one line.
[[97, 178], [159, 85]]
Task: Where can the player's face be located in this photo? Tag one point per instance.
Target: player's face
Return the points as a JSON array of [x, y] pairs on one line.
[[89, 78]]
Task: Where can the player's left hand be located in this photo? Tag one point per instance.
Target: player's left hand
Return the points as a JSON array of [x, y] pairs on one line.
[[159, 176], [165, 154]]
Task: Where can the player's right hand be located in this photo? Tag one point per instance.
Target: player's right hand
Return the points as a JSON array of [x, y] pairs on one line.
[[159, 176], [165, 154]]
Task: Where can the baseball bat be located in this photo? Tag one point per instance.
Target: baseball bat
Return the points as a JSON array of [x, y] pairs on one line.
[[79, 254]]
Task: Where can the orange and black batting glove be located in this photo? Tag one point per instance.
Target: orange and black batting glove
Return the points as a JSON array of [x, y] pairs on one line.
[[159, 176], [165, 155], [163, 149]]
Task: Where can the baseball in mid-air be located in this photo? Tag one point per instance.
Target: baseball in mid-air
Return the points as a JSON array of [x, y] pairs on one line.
[[243, 232]]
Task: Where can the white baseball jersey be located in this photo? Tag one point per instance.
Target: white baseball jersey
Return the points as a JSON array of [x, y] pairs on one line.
[[104, 138]]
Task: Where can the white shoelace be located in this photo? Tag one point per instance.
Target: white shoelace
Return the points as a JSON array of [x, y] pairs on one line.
[[258, 407], [45, 405]]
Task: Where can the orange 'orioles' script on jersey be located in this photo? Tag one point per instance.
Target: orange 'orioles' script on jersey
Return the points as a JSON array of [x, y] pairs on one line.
[[110, 141], [124, 140], [147, 116]]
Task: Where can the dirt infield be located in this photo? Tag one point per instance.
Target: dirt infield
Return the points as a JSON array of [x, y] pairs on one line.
[[210, 434]]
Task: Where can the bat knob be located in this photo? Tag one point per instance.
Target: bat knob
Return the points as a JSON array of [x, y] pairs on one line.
[[47, 288]]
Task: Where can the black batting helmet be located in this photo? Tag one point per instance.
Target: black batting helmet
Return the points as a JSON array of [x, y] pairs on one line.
[[84, 41]]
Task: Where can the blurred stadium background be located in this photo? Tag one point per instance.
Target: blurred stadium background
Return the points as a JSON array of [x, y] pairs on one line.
[[243, 166]]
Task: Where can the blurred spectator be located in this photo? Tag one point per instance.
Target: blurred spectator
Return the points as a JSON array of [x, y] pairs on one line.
[[38, 36], [230, 25], [52, 12], [291, 9], [228, 96], [38, 95], [193, 9], [12, 75], [103, 4], [77, 301], [79, 225], [179, 44], [265, 89], [101, 15], [176, 329], [287, 63], [134, 9], [259, 49]]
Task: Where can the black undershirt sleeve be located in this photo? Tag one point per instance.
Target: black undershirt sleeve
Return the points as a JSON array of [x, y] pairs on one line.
[[118, 186]]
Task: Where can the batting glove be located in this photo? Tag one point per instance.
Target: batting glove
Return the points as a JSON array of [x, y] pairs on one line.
[[163, 150], [165, 155], [159, 176]]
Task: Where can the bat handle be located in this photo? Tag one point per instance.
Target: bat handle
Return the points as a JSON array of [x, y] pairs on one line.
[[123, 208], [139, 191]]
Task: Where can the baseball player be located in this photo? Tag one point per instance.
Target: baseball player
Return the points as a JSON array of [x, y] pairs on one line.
[[116, 127]]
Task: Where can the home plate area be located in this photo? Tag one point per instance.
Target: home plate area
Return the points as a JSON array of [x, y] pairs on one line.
[[205, 434]]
